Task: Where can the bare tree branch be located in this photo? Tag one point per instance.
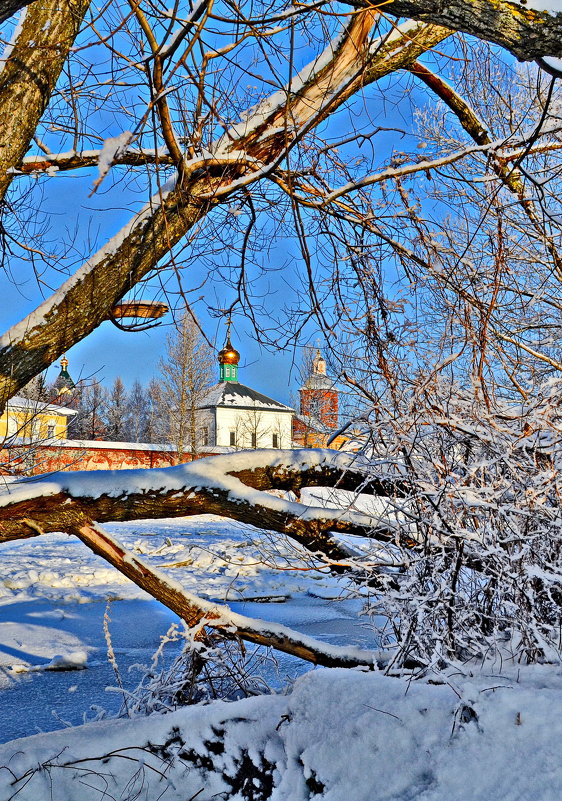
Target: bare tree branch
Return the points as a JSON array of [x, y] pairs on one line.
[[84, 301], [89, 158]]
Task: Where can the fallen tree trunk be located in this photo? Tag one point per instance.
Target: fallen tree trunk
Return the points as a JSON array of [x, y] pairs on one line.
[[198, 612], [231, 485]]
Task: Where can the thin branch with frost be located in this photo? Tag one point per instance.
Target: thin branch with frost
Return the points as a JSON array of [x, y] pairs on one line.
[[509, 175], [72, 160]]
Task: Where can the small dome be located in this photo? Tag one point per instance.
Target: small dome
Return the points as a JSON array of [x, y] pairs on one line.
[[64, 382], [228, 355]]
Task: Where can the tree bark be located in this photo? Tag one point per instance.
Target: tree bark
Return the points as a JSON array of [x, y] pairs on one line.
[[31, 73], [526, 33]]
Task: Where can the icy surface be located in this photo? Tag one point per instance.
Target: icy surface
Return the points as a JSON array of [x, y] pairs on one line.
[[53, 594]]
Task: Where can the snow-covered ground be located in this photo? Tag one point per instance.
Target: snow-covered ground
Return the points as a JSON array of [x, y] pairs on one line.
[[54, 595], [336, 735]]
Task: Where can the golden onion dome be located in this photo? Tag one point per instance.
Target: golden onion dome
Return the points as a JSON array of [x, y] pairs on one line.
[[228, 355]]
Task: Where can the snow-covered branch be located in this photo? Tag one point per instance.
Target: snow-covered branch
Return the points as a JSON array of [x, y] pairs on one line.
[[232, 485], [71, 160], [84, 301], [197, 612]]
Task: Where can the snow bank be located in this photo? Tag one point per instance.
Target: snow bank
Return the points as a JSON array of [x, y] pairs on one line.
[[341, 734], [76, 660]]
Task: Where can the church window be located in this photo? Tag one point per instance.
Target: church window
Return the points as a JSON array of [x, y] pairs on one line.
[[204, 436], [227, 370], [276, 440], [254, 440], [233, 437], [51, 428], [315, 407]]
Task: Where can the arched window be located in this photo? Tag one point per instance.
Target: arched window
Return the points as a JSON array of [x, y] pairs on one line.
[[315, 406]]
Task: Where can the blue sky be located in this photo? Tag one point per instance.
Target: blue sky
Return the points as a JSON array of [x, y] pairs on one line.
[[75, 221], [109, 352]]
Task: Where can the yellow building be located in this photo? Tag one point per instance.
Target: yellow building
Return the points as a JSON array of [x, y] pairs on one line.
[[28, 420]]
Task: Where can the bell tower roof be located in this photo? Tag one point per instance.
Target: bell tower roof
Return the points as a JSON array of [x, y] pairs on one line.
[[318, 377], [64, 382], [319, 364]]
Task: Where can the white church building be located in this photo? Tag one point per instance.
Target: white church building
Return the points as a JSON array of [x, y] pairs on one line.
[[232, 415]]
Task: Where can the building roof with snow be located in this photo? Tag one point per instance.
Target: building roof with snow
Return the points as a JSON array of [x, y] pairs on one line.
[[231, 394], [38, 406], [230, 414]]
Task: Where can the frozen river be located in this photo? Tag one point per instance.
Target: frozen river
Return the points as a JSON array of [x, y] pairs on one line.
[[54, 598]]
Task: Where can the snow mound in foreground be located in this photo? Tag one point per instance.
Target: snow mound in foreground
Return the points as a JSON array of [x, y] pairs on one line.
[[341, 735]]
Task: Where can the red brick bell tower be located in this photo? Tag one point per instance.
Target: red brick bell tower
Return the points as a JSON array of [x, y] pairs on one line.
[[319, 412]]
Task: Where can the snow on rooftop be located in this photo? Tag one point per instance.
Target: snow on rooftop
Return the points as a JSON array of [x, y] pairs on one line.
[[231, 393], [315, 423], [38, 406]]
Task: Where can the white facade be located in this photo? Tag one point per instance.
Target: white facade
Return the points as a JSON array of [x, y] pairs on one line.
[[236, 416]]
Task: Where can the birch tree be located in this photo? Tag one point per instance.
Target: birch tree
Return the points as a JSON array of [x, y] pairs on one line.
[[186, 373]]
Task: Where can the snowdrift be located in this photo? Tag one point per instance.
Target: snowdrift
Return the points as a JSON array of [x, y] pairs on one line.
[[341, 735]]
